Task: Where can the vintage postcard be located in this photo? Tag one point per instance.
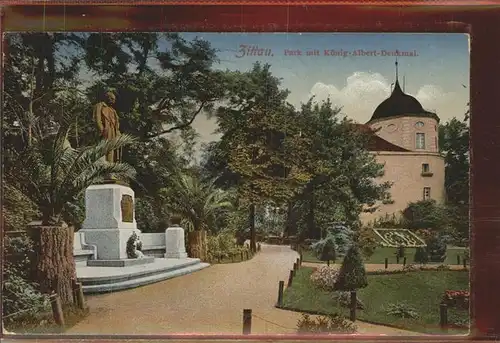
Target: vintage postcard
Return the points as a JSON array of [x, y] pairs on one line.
[[236, 183]]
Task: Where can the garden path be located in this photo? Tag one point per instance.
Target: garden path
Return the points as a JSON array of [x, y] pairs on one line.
[[209, 301]]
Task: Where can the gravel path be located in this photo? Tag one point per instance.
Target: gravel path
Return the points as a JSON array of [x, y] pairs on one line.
[[208, 301]]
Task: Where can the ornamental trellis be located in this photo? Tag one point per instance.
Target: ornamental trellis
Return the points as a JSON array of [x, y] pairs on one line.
[[399, 237]]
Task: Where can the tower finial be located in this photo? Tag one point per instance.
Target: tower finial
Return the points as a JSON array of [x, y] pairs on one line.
[[396, 69]]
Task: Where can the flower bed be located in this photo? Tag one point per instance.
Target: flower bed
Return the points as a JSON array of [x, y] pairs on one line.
[[457, 299]]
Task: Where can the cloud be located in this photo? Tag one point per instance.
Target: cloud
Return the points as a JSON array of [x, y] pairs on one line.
[[364, 91]]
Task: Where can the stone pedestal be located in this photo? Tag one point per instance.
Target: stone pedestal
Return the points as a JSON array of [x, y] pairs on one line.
[[174, 242], [109, 219]]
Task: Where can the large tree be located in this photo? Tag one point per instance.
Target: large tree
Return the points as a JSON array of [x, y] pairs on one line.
[[259, 133], [454, 144], [342, 171]]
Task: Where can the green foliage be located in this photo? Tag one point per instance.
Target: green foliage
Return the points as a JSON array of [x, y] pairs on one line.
[[426, 214], [20, 299], [352, 274], [52, 174], [401, 310], [17, 209], [367, 241], [344, 300], [325, 324], [436, 249], [389, 222], [400, 251], [199, 203], [421, 256], [328, 251], [222, 246]]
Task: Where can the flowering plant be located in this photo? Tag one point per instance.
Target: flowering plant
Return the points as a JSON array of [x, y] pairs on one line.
[[458, 299], [324, 277]]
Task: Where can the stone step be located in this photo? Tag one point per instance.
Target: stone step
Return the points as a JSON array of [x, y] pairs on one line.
[[137, 280]]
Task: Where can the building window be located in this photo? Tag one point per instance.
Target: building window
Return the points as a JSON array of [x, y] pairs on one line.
[[427, 193], [419, 124], [426, 170], [420, 141]]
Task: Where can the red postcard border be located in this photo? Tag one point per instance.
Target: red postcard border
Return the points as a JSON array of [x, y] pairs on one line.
[[481, 22]]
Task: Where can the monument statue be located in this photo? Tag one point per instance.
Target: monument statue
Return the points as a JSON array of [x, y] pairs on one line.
[[108, 122]]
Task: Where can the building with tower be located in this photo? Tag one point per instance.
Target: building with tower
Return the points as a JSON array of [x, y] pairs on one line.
[[405, 139]]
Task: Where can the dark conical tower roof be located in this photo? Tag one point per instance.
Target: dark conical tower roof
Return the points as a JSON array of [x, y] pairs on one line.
[[399, 103]]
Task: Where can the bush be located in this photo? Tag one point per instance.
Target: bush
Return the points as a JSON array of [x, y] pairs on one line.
[[402, 310], [344, 300], [324, 277], [421, 256], [352, 274], [21, 299], [400, 252], [222, 246], [367, 241], [325, 324], [436, 249], [328, 252]]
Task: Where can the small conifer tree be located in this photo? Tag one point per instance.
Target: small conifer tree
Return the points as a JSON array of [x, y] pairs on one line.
[[421, 256], [328, 252], [352, 276]]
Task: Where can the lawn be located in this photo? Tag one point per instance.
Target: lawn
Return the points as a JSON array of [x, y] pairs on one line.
[[421, 290], [382, 252]]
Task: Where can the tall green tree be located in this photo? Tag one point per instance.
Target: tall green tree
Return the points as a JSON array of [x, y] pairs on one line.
[[258, 132], [342, 171], [454, 144]]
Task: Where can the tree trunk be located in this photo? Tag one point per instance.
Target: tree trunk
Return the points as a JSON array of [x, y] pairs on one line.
[[53, 264], [353, 306], [311, 222], [253, 238], [198, 244]]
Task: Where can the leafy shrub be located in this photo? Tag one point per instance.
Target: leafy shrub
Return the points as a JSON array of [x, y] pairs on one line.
[[222, 246], [421, 256], [400, 252], [352, 273], [324, 277], [367, 241], [401, 310], [344, 300], [325, 324], [21, 299], [328, 252], [342, 237], [436, 249]]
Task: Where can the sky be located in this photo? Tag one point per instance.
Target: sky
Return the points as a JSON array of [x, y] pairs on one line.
[[436, 73]]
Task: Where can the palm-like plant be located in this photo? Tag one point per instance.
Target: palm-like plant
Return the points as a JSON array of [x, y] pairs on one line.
[[53, 175], [198, 203]]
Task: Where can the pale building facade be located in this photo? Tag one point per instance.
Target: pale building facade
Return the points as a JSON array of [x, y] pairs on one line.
[[406, 141]]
